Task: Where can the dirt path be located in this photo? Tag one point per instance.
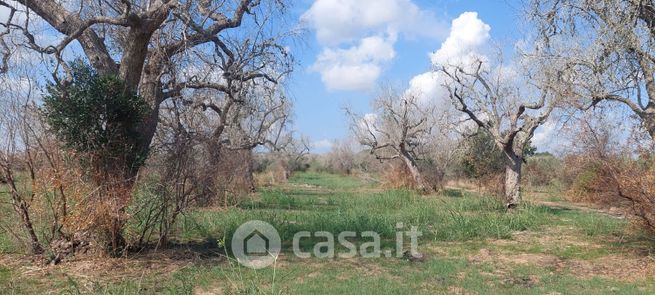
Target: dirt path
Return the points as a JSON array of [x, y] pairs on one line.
[[612, 212], [535, 198]]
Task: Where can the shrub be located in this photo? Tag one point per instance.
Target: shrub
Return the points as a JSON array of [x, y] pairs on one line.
[[543, 170], [589, 180], [341, 159], [614, 181], [634, 183], [96, 117], [481, 157], [432, 174], [397, 176], [232, 178]]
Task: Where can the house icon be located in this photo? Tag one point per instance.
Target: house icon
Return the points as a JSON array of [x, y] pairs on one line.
[[256, 244]]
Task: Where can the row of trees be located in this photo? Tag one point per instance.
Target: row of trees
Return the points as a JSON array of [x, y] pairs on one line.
[[507, 106], [584, 53]]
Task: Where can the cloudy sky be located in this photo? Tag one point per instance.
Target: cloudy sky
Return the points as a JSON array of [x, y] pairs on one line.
[[353, 46]]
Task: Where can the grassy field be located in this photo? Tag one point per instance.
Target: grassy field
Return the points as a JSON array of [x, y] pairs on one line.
[[471, 245]]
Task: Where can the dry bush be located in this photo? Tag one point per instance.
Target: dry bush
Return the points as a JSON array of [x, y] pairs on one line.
[[625, 183], [366, 163], [81, 216], [276, 166], [232, 178], [610, 170], [67, 210], [543, 170], [596, 145], [493, 185], [397, 176], [272, 173], [52, 197], [635, 183], [341, 158], [589, 180], [433, 174]]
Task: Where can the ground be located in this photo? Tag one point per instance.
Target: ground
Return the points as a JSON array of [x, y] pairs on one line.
[[470, 245]]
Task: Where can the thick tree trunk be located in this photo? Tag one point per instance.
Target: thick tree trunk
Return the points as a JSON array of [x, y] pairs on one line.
[[649, 122], [416, 173], [513, 180]]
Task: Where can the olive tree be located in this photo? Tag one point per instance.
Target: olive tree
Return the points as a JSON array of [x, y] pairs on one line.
[[607, 46], [400, 127], [507, 104], [213, 56], [153, 47]]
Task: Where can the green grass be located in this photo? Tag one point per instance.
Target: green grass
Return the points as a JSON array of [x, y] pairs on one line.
[[456, 225], [440, 219], [329, 181], [7, 244], [594, 225]]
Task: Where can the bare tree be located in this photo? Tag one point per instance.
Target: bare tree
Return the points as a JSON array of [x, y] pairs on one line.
[[607, 45], [17, 155], [155, 41], [498, 100], [400, 125], [341, 158], [19, 201], [293, 151], [224, 51]]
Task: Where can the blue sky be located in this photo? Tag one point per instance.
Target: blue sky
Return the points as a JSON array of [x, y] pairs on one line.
[[319, 107]]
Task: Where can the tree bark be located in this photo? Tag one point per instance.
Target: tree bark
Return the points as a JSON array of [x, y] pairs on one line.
[[416, 173], [649, 122], [513, 180], [22, 208]]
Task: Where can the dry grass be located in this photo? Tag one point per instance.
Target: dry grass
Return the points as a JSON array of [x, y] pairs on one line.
[[397, 176]]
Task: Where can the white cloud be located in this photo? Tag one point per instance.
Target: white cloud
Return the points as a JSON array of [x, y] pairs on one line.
[[339, 21], [359, 37], [545, 135], [357, 67], [426, 86], [323, 144], [370, 118], [367, 124], [467, 35]]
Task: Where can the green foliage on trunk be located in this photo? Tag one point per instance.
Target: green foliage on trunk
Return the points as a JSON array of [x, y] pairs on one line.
[[97, 117], [482, 157]]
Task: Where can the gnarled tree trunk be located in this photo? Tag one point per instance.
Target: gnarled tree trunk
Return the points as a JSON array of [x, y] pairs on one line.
[[513, 180], [416, 173], [649, 121]]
